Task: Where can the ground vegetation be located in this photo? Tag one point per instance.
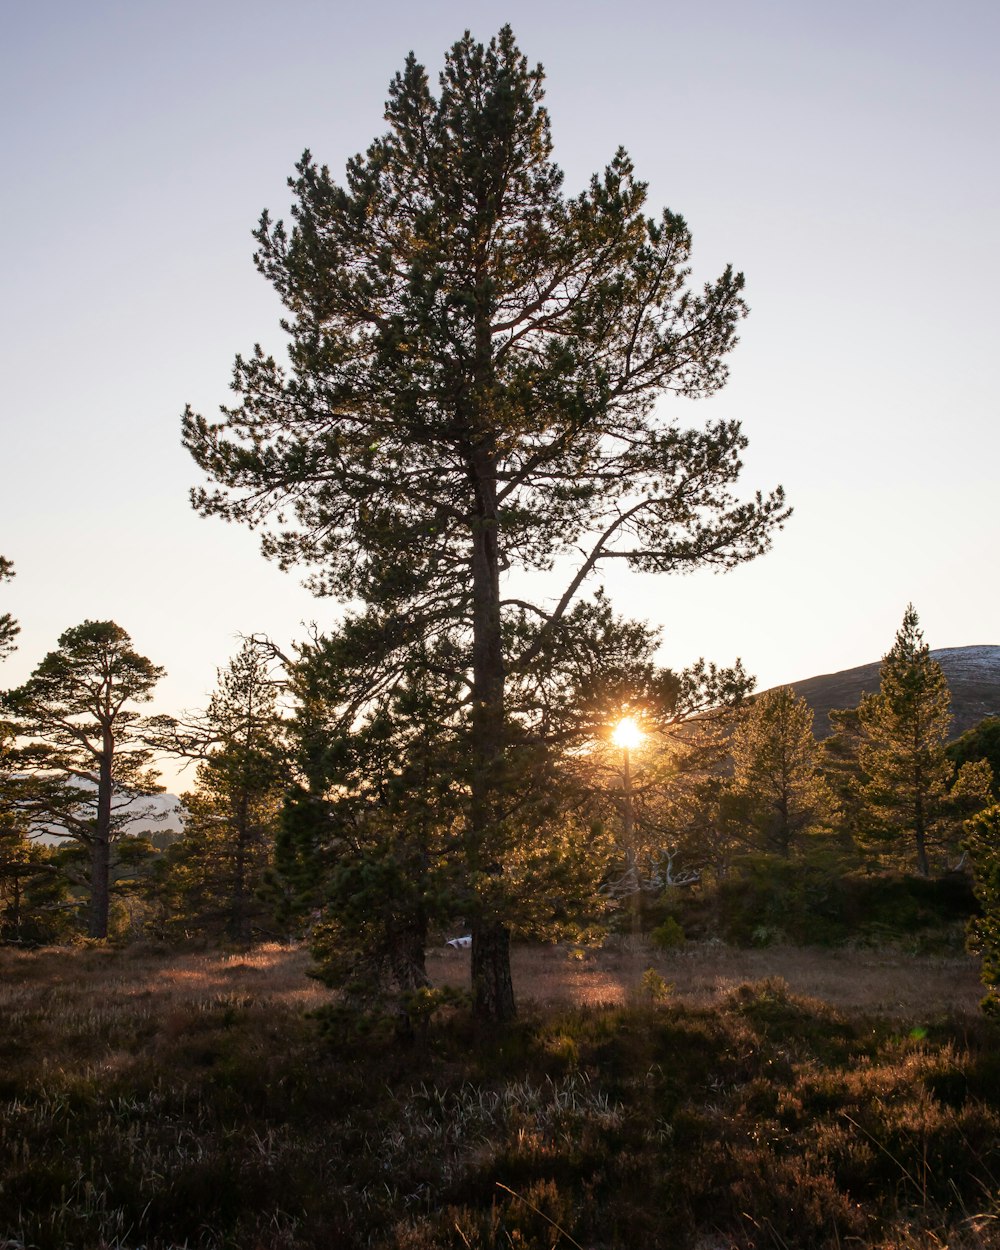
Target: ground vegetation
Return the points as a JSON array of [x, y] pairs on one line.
[[197, 1101]]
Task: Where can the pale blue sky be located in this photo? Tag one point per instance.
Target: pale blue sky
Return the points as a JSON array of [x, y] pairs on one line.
[[844, 156]]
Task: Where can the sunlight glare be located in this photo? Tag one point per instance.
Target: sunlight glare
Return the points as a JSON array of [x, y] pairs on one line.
[[627, 733]]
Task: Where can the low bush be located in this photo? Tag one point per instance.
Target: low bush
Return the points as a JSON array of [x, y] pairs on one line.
[[669, 935], [767, 900]]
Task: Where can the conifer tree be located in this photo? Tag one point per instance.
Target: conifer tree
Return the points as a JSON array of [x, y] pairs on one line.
[[980, 743], [605, 668], [20, 860], [370, 832], [88, 759], [841, 770], [380, 815], [775, 764], [474, 363], [9, 628], [983, 844], [231, 819], [905, 728]]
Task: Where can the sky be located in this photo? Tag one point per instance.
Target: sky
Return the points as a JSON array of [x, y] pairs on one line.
[[842, 156]]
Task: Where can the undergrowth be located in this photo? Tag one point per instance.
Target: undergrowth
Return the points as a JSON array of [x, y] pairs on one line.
[[229, 1118]]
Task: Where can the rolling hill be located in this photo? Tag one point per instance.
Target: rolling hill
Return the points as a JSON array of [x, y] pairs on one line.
[[973, 674]]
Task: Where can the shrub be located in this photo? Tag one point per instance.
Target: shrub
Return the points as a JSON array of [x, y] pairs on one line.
[[654, 987], [669, 935], [808, 902]]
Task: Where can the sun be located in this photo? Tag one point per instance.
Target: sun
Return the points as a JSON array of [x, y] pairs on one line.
[[627, 733]]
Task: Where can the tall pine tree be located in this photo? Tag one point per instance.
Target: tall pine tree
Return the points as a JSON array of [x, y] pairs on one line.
[[474, 363], [88, 753], [904, 730], [231, 819], [775, 765]]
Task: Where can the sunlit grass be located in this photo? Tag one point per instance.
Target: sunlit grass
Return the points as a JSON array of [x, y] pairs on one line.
[[884, 982]]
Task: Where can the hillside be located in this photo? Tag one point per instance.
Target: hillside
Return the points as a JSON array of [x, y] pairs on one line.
[[161, 813], [973, 674]]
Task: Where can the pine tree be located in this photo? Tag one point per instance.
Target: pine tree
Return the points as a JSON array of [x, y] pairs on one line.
[[775, 764], [88, 759], [655, 796], [474, 364], [9, 628], [19, 860], [905, 729], [369, 836], [231, 819], [840, 767], [981, 742], [389, 786], [33, 903], [983, 844]]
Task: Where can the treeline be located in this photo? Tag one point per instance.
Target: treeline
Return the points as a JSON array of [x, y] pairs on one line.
[[320, 810]]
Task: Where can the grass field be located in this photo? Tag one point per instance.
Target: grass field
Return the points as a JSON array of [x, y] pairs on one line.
[[702, 975], [775, 1098]]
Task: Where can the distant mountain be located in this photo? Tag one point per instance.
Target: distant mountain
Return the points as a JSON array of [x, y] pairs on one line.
[[167, 807], [162, 814], [973, 675]]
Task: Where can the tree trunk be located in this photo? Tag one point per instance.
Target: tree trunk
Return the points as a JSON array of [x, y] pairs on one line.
[[100, 891], [100, 850], [15, 921], [407, 949], [784, 836], [240, 930], [492, 988], [920, 833]]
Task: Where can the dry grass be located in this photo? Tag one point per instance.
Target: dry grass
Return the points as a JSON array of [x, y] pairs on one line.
[[171, 1101], [881, 983], [150, 981]]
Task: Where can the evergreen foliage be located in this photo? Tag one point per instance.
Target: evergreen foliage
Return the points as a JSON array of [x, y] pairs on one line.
[[981, 742], [89, 765], [775, 766], [840, 767], [30, 889], [474, 363], [661, 797], [9, 628], [902, 751], [983, 843], [372, 837], [372, 827], [215, 871]]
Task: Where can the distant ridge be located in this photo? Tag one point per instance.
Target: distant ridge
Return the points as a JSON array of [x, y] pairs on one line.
[[163, 814], [973, 675]]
